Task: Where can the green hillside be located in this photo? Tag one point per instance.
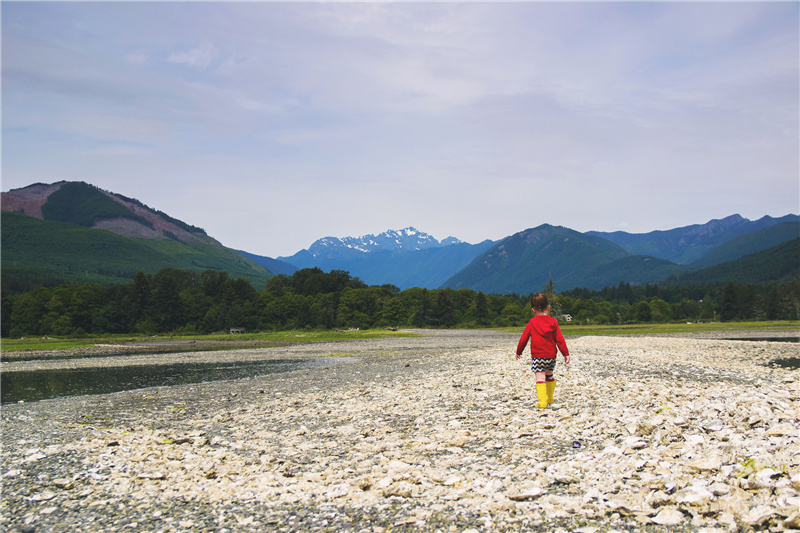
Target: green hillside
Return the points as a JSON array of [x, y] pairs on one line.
[[525, 261], [84, 205], [636, 270], [50, 252], [691, 243], [780, 264], [749, 243]]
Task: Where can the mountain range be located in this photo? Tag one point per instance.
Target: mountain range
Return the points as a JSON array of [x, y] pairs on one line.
[[404, 258], [77, 233], [687, 245], [527, 260]]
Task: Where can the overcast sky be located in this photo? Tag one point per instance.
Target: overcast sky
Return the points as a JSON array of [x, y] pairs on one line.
[[271, 125]]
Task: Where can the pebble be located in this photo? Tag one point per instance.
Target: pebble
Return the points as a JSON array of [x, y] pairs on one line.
[[436, 433]]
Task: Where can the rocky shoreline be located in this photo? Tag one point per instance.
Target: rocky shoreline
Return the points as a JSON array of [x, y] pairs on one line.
[[431, 433]]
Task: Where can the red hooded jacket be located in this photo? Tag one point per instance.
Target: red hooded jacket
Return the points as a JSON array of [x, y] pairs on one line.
[[545, 335]]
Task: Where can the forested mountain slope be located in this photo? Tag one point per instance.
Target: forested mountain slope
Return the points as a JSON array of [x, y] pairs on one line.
[[779, 264], [72, 232], [687, 244], [525, 261], [749, 243]]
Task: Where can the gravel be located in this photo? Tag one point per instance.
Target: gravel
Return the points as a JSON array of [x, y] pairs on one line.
[[431, 433]]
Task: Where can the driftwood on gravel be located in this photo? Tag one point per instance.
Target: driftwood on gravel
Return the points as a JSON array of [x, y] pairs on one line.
[[436, 433]]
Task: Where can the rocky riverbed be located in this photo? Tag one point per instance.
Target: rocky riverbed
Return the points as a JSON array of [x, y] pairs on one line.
[[432, 433]]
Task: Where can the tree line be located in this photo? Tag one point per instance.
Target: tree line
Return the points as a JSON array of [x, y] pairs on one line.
[[678, 303], [183, 302]]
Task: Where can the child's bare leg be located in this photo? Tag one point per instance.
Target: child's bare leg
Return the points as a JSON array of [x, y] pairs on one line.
[[540, 376]]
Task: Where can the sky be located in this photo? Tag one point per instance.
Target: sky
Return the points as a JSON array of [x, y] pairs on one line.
[[273, 124]]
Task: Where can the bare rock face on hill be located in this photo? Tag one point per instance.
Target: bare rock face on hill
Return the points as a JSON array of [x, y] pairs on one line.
[[128, 228], [161, 228], [129, 218], [30, 199]]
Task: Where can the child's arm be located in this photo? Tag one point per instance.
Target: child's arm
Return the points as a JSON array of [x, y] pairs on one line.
[[523, 341], [562, 345]]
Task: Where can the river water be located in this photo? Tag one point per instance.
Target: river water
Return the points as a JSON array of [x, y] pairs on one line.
[[789, 362], [36, 385], [46, 384]]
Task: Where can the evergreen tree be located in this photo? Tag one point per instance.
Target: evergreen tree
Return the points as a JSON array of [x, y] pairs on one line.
[[708, 310], [138, 298], [166, 309], [549, 290], [640, 312], [393, 313], [783, 302], [422, 307], [729, 309], [444, 310], [481, 311]]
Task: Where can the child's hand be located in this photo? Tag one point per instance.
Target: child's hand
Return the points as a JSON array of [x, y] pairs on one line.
[[516, 356], [566, 359]]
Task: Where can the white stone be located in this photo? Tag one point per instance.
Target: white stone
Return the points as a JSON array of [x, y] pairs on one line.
[[151, 475], [611, 450], [792, 521], [713, 425], [702, 464], [694, 440], [478, 449], [718, 489], [694, 495], [399, 466], [527, 494], [780, 430], [669, 516], [758, 515], [42, 497]]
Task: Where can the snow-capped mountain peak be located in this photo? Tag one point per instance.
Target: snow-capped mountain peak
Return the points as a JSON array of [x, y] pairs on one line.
[[408, 238]]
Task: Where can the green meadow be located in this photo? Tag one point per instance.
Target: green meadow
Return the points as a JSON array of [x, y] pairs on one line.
[[198, 342], [249, 340], [654, 329]]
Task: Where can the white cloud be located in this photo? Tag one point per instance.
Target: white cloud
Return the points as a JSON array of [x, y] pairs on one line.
[[452, 115], [136, 58], [201, 56]]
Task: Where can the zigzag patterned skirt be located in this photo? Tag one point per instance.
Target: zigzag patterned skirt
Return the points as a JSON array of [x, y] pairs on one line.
[[542, 364]]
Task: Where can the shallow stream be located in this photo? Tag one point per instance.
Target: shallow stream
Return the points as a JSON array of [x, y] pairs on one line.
[[36, 385]]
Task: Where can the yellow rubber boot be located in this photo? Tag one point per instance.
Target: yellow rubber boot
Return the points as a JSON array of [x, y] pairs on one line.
[[551, 386], [541, 392]]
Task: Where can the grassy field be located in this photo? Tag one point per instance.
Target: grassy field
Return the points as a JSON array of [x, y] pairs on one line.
[[250, 339], [649, 329], [239, 340]]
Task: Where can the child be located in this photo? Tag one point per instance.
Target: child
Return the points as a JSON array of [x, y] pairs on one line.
[[545, 335]]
